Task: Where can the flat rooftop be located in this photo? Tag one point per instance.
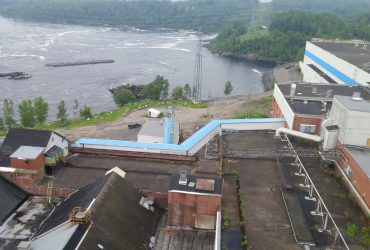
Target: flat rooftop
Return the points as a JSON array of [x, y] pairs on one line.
[[356, 53], [309, 107], [196, 184], [354, 105], [323, 91], [27, 152], [361, 156], [152, 128]]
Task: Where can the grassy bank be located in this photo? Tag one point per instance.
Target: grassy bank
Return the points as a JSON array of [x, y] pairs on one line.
[[256, 109], [115, 114]]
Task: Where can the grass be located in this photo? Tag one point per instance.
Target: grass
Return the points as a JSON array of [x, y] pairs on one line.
[[115, 114], [256, 109], [351, 230]]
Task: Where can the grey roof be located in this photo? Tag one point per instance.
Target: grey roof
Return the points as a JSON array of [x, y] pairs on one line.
[[319, 91], [361, 156], [11, 198], [152, 128], [310, 107], [354, 105], [27, 152], [357, 54], [17, 137], [118, 220], [175, 186]]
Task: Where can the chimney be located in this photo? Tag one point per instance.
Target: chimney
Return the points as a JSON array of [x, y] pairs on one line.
[[293, 88], [356, 96]]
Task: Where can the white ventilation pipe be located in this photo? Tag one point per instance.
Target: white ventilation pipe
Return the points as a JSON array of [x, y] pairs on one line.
[[295, 133], [325, 123]]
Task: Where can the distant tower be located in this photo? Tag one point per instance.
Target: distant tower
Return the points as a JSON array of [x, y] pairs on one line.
[[197, 84]]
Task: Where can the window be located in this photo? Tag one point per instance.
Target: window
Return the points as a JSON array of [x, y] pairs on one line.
[[307, 128]]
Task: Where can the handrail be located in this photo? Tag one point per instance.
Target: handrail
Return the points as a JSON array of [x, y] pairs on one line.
[[317, 193]]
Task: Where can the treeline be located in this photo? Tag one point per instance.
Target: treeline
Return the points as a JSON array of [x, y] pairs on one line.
[[284, 40], [348, 9], [207, 15], [158, 89], [35, 112]]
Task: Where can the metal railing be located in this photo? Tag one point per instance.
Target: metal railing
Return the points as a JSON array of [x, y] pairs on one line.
[[320, 209]]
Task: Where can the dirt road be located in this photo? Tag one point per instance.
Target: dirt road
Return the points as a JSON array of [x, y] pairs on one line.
[[189, 119]]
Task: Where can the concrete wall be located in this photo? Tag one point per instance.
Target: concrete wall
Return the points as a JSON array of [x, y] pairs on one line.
[[284, 107], [59, 141], [358, 177], [308, 120], [348, 70], [182, 208], [148, 138], [354, 125]]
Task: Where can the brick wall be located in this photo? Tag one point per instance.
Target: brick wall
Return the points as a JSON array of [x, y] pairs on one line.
[[359, 178], [276, 112], [309, 120], [182, 208], [38, 163]]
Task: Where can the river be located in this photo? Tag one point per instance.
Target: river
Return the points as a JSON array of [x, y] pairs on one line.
[[139, 56]]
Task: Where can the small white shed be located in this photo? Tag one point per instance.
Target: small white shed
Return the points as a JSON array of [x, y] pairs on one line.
[[153, 113]]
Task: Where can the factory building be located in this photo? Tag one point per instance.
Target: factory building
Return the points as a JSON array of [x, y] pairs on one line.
[[306, 105], [341, 62]]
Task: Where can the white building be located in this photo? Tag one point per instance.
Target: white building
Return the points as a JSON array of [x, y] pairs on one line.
[[342, 62], [352, 116]]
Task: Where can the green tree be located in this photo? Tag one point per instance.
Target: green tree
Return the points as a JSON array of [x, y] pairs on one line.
[[85, 112], [187, 91], [41, 109], [26, 113], [8, 111], [157, 89], [62, 113], [178, 93], [123, 96], [2, 125], [228, 88]]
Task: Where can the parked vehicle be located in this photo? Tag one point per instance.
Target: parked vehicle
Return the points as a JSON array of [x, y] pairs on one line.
[[132, 125]]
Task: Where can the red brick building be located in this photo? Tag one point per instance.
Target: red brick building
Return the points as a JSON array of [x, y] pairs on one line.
[[355, 163], [30, 161], [193, 201]]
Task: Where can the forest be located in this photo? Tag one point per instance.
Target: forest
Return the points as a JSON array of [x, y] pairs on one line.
[[284, 39], [199, 15]]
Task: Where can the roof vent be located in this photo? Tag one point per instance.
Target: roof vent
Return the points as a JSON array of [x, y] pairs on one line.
[[293, 87], [305, 101], [356, 96], [183, 180], [80, 216], [329, 93], [314, 90]]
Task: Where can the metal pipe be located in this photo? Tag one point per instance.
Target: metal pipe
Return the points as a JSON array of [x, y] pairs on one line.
[[295, 133]]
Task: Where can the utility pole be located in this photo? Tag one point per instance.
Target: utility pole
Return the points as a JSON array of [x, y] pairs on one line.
[[197, 84]]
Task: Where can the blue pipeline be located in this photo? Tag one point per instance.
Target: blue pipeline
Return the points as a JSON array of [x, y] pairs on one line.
[[185, 146], [344, 78]]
